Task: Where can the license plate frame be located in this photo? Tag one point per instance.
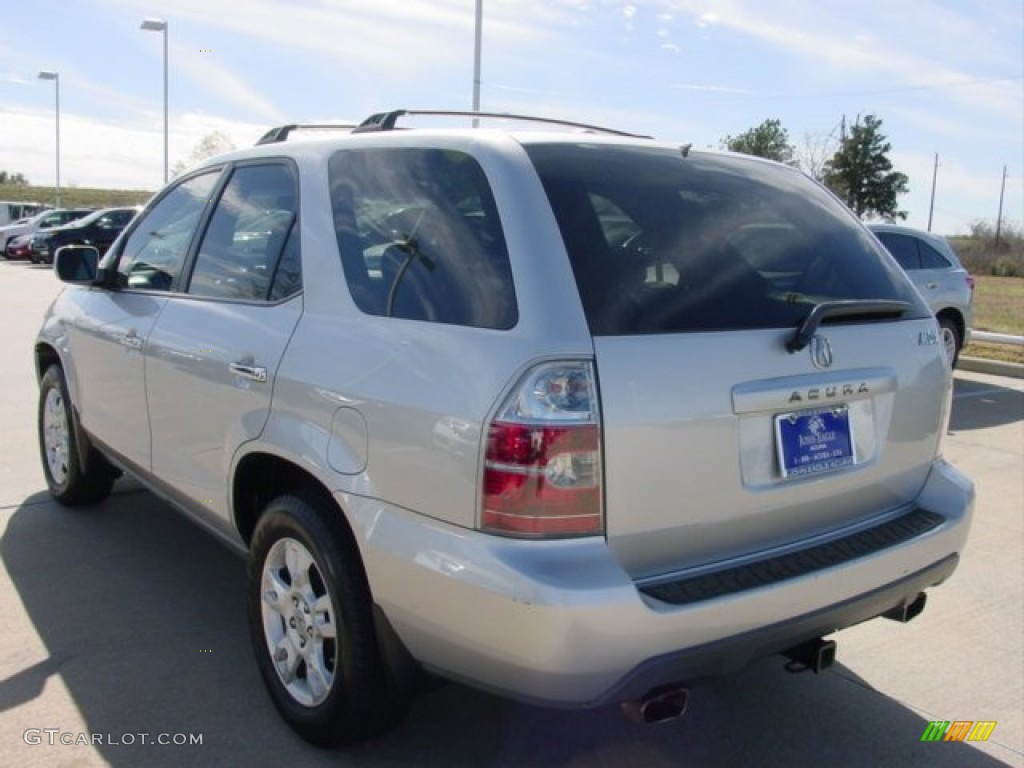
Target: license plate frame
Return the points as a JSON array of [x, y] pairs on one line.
[[815, 441]]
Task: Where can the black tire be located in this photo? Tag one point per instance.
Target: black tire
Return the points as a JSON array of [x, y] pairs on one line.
[[69, 482], [949, 330], [356, 703]]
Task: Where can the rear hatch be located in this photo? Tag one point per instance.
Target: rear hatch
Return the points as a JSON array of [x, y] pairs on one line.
[[767, 374]]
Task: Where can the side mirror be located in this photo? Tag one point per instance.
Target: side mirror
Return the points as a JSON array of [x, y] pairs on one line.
[[76, 264]]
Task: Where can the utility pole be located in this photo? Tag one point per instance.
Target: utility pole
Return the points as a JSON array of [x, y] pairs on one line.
[[999, 218], [931, 205]]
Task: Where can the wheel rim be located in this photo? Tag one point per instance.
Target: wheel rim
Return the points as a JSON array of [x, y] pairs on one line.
[[949, 342], [56, 440], [299, 622]]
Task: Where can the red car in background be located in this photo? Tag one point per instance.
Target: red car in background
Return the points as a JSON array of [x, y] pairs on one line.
[[19, 247]]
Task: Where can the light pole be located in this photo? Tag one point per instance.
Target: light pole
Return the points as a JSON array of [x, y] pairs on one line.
[[477, 50], [159, 25], [55, 76]]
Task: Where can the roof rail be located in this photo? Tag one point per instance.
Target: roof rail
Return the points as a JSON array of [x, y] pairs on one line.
[[281, 132], [385, 121]]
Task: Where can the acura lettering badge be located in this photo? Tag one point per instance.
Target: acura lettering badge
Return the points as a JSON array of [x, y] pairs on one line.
[[821, 352]]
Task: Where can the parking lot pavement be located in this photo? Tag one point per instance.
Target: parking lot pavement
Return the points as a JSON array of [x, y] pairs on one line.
[[125, 619]]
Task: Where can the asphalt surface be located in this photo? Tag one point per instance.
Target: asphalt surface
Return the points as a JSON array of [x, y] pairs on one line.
[[124, 627]]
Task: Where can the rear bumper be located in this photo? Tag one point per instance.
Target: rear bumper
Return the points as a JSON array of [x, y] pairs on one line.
[[559, 623], [733, 653]]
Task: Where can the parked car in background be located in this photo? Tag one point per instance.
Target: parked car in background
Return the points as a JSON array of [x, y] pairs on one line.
[[45, 220], [19, 247], [12, 212], [539, 411], [935, 269], [98, 229]]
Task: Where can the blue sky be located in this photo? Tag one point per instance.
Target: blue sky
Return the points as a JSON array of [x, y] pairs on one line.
[[945, 76]]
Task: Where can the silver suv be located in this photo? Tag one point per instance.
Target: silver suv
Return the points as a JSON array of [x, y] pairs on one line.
[[572, 416], [937, 273]]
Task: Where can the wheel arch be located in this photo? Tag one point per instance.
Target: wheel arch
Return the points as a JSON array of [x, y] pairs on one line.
[[45, 355], [260, 477], [957, 318]]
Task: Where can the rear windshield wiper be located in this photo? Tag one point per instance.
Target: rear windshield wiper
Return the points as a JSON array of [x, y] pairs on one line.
[[866, 308]]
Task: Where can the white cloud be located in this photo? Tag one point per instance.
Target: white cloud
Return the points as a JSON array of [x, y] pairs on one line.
[[846, 40], [708, 88], [708, 19], [204, 70], [15, 78], [105, 153]]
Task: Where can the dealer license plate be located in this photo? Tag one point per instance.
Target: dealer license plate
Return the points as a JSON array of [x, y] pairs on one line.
[[812, 442]]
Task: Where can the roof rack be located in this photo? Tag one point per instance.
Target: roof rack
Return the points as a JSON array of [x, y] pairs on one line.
[[280, 133], [385, 121]]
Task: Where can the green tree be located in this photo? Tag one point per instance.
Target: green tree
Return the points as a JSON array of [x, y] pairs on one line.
[[769, 140], [14, 179], [861, 174]]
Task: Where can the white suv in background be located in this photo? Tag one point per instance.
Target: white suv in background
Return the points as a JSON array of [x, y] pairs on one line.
[[572, 416], [935, 269]]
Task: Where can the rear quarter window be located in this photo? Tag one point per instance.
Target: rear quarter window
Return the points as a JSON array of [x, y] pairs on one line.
[[420, 237], [661, 242]]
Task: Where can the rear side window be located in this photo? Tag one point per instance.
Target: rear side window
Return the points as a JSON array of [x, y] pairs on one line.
[[419, 237], [902, 248], [931, 258], [661, 242]]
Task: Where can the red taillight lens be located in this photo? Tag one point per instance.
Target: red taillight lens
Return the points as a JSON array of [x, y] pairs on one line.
[[542, 465], [970, 282]]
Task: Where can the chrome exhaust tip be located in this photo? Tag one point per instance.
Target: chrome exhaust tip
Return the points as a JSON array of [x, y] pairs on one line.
[[659, 705]]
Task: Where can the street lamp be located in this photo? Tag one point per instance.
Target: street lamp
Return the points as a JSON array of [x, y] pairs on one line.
[[158, 25], [55, 76], [477, 50]]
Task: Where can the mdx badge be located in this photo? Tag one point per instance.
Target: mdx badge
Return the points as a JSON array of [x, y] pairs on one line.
[[821, 352]]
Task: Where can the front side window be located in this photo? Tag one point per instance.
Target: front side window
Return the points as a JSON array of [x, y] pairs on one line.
[[252, 236], [662, 242], [420, 238], [153, 254]]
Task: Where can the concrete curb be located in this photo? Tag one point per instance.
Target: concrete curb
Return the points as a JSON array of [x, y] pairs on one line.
[[992, 367]]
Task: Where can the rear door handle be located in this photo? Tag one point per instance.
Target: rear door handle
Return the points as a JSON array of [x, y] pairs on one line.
[[933, 285], [131, 340], [254, 372]]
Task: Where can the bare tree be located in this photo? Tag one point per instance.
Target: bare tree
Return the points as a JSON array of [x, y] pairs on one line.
[[214, 143]]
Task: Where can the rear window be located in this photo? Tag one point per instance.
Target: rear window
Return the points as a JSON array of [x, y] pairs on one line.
[[661, 243], [420, 238]]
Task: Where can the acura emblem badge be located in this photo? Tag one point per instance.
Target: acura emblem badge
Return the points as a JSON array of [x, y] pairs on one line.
[[821, 352]]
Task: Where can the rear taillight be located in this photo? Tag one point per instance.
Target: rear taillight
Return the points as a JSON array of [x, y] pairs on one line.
[[970, 282], [542, 466]]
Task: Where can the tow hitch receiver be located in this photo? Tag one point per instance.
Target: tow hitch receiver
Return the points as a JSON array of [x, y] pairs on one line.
[[815, 655]]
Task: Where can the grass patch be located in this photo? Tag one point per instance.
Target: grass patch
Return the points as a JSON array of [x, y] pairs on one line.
[[999, 304], [998, 307], [1004, 353], [75, 197]]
